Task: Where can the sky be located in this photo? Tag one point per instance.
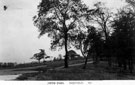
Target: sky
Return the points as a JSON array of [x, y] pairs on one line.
[[19, 37]]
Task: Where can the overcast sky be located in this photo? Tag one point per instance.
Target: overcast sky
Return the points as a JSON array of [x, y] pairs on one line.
[[19, 37]]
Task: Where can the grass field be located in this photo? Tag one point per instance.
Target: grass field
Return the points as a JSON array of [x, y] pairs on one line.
[[31, 69], [92, 72]]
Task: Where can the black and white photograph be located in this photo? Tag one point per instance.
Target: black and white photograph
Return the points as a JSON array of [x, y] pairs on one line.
[[67, 40]]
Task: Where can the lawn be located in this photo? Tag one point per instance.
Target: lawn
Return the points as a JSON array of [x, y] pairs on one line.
[[92, 72]]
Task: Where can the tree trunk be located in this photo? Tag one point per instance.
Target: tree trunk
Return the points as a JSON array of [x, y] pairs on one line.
[[109, 61], [130, 64], [66, 50], [107, 45], [86, 59], [108, 53]]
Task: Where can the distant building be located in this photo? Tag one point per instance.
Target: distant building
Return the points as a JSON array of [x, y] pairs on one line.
[[72, 54]]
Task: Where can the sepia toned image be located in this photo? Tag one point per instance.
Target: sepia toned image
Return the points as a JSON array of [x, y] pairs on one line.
[[43, 40]]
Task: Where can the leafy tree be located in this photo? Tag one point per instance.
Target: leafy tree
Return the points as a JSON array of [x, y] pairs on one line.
[[78, 38], [39, 56], [124, 38], [102, 17], [131, 2], [58, 18], [94, 44], [88, 42]]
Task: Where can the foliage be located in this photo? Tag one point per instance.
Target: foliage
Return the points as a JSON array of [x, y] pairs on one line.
[[40, 55], [102, 16], [124, 38], [93, 31], [132, 3], [58, 18]]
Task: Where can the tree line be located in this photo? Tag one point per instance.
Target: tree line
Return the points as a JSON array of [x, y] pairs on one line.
[[97, 32]]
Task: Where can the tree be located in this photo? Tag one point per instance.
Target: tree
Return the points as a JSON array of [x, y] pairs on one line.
[[93, 43], [58, 18], [78, 38], [124, 37], [132, 3], [39, 56], [103, 17], [88, 42]]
